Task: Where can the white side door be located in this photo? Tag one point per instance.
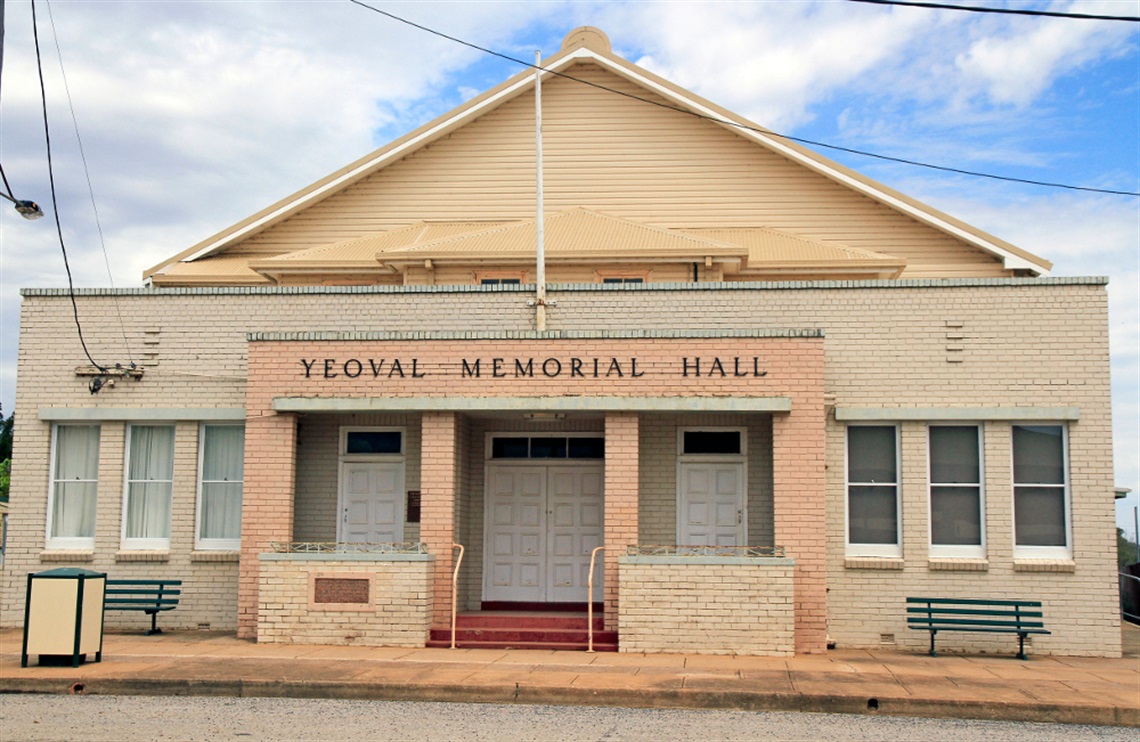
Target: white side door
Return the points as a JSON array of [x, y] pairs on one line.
[[710, 504], [371, 502], [574, 501], [516, 534]]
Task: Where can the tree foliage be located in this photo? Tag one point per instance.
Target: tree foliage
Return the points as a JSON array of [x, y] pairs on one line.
[[6, 426], [1126, 553], [6, 434]]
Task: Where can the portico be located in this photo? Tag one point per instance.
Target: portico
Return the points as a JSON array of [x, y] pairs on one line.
[[533, 451]]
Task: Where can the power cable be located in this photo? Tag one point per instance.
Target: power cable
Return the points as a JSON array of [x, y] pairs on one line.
[[54, 202], [1004, 11], [738, 125], [90, 188]]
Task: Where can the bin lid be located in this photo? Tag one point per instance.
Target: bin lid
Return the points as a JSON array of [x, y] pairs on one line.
[[69, 573]]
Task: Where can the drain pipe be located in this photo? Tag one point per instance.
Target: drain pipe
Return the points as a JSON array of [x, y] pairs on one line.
[[590, 600], [455, 590]]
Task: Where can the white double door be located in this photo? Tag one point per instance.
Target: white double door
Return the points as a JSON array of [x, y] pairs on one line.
[[371, 502], [542, 522], [710, 503]]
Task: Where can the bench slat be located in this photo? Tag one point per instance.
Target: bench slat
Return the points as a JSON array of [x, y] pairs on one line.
[[149, 596], [952, 612], [975, 601], [976, 614]]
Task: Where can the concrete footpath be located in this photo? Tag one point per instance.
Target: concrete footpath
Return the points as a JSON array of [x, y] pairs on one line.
[[898, 683]]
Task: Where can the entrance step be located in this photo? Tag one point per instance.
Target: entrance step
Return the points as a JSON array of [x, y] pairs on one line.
[[525, 630]]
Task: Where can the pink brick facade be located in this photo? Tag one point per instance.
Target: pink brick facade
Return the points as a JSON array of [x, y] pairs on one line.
[[662, 369]]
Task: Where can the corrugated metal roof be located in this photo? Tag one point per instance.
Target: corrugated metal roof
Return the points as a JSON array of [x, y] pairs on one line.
[[773, 246], [224, 268], [577, 232], [365, 249]]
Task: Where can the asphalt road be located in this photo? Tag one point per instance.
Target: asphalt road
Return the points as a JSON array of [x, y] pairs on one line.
[[146, 718]]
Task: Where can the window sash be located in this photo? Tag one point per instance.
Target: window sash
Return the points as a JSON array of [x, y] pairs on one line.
[[149, 486], [873, 508], [957, 526], [220, 482], [75, 485], [1041, 517]]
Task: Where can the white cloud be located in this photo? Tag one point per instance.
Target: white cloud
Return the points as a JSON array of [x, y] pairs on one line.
[[1016, 65], [768, 61]]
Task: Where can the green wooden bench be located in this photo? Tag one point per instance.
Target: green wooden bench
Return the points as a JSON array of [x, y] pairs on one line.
[[1021, 617], [149, 596]]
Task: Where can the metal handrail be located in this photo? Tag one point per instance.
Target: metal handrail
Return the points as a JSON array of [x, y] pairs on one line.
[[590, 599], [455, 590], [1130, 616]]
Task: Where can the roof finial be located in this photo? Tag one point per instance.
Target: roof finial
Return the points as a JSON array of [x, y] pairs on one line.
[[587, 36]]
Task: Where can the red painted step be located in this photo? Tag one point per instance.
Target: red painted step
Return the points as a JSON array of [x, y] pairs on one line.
[[525, 630]]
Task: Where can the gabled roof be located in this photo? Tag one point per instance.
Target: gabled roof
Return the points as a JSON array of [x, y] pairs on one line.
[[591, 45]]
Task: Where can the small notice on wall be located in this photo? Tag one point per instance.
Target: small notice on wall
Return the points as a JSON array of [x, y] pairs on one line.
[[413, 506]]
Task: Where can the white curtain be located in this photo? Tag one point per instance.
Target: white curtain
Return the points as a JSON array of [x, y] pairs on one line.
[[223, 458], [149, 481], [76, 481]]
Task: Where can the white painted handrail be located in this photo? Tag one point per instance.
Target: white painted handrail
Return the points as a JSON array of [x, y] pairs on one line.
[[455, 590], [590, 599]]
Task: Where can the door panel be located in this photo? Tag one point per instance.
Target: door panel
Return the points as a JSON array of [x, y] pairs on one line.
[[544, 522], [372, 502], [711, 504], [517, 498]]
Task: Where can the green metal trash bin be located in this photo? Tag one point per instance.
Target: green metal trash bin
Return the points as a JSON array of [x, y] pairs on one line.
[[63, 616]]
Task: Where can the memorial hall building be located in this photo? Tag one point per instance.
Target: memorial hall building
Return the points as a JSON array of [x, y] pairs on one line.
[[756, 401]]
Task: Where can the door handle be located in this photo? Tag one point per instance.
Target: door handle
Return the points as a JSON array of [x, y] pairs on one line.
[[345, 516], [739, 516]]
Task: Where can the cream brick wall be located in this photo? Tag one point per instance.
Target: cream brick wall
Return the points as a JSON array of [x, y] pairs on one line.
[[208, 598], [973, 343], [398, 614], [707, 606], [657, 507], [318, 439]]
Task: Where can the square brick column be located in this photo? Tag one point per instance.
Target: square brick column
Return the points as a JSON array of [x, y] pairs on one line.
[[439, 485], [621, 494], [800, 513], [267, 501]]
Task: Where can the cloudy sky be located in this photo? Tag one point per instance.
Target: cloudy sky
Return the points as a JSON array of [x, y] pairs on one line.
[[193, 115]]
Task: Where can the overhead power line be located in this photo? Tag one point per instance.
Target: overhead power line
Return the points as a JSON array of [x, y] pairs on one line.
[[90, 188], [1005, 11], [738, 125], [54, 200]]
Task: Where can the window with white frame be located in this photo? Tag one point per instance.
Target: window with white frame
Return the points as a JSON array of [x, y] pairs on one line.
[[74, 487], [221, 463], [1040, 492], [955, 471], [873, 491], [149, 485]]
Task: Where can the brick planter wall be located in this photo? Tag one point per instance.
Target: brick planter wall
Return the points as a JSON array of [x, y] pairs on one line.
[[707, 605], [369, 600]]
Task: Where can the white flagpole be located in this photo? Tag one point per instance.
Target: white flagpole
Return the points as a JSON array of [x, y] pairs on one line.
[[540, 247]]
